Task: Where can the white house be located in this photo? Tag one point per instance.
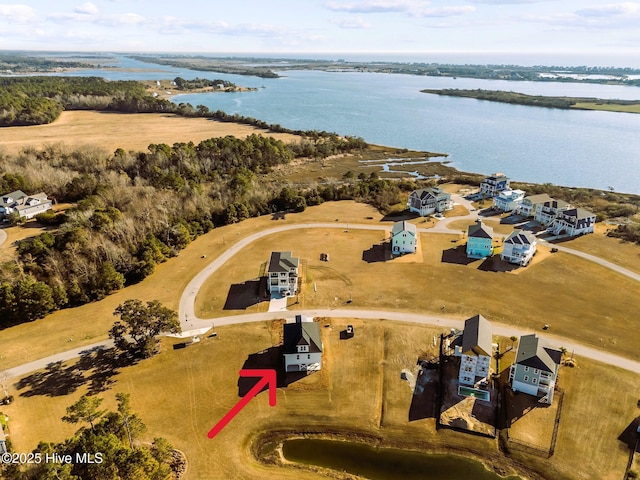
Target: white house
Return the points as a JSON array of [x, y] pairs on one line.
[[27, 206], [535, 369], [426, 201], [531, 203], [547, 212], [494, 184], [519, 247], [403, 238], [575, 221], [508, 200], [302, 348], [3, 440], [475, 351], [282, 274]]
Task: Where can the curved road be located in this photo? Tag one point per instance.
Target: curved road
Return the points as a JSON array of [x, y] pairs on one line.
[[189, 321]]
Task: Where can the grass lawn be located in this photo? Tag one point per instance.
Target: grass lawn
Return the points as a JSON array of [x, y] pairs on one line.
[[634, 108], [181, 394]]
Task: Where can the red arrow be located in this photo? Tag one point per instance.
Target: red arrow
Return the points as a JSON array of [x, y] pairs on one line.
[[268, 377]]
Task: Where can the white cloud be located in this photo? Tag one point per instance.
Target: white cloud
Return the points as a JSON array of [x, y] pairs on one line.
[[86, 9], [509, 2], [17, 13], [446, 11], [611, 16], [611, 10], [378, 6], [121, 19], [351, 23]]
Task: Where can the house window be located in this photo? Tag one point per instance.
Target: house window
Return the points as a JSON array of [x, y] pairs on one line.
[[526, 369], [526, 378], [534, 380], [308, 356], [535, 371], [297, 357]]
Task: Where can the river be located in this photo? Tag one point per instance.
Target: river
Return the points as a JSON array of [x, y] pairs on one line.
[[563, 147]]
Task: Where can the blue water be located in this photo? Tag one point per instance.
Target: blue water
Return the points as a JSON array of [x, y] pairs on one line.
[[572, 148]]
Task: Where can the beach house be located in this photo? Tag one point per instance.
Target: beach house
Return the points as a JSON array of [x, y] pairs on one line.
[[479, 240], [535, 369], [547, 212], [519, 247], [302, 346], [494, 184], [426, 201], [508, 200], [282, 274], [27, 206], [474, 351], [531, 203], [573, 222], [403, 238]]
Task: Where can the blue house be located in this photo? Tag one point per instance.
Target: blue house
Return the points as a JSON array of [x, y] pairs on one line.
[[479, 240]]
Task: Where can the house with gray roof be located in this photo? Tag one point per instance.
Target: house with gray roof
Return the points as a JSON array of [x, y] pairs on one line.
[[548, 211], [573, 222], [474, 349], [531, 203], [282, 274], [302, 347], [519, 247], [426, 201], [535, 369], [27, 206], [479, 240], [404, 238], [494, 184]]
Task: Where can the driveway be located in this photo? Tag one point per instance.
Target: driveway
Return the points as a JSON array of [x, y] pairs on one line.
[[278, 304]]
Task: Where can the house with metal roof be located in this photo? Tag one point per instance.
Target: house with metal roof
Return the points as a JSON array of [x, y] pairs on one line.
[[535, 369], [474, 351], [404, 238], [282, 274], [547, 212], [302, 348], [519, 247], [479, 240], [573, 222], [426, 201], [508, 200], [27, 206], [494, 184]]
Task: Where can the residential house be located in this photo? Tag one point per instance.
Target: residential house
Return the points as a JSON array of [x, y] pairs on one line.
[[494, 184], [519, 247], [403, 238], [3, 440], [27, 206], [474, 351], [282, 274], [508, 200], [479, 240], [547, 212], [535, 369], [302, 347], [531, 203], [575, 221], [426, 201]]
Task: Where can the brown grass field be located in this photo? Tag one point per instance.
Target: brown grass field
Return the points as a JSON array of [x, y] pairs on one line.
[[130, 131], [181, 394]]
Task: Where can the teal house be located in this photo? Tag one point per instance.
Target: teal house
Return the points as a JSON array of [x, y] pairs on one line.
[[479, 240]]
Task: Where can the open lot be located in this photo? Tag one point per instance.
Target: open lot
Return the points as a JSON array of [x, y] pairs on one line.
[[130, 131], [365, 393]]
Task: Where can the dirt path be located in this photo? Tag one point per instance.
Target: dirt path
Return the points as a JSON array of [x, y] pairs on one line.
[[3, 237]]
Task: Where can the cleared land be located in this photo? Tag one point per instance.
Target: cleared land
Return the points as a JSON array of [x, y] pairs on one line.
[[130, 131], [181, 394]]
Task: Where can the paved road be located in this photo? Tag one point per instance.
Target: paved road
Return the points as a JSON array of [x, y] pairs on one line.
[[3, 236]]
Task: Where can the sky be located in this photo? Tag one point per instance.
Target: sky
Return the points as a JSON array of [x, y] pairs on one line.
[[600, 30]]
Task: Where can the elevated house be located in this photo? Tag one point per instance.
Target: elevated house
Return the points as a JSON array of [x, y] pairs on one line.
[[302, 348], [531, 203], [575, 221], [282, 274], [27, 206], [426, 201], [479, 240], [519, 247], [494, 184], [3, 440], [474, 351], [508, 200], [403, 238], [547, 212], [535, 369]]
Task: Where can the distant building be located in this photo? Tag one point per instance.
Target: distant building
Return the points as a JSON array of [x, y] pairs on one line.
[[535, 369], [27, 206], [282, 274], [519, 247], [575, 221], [479, 240], [302, 347], [508, 200], [403, 238], [426, 201], [475, 351], [531, 203], [3, 440], [547, 212], [494, 184]]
